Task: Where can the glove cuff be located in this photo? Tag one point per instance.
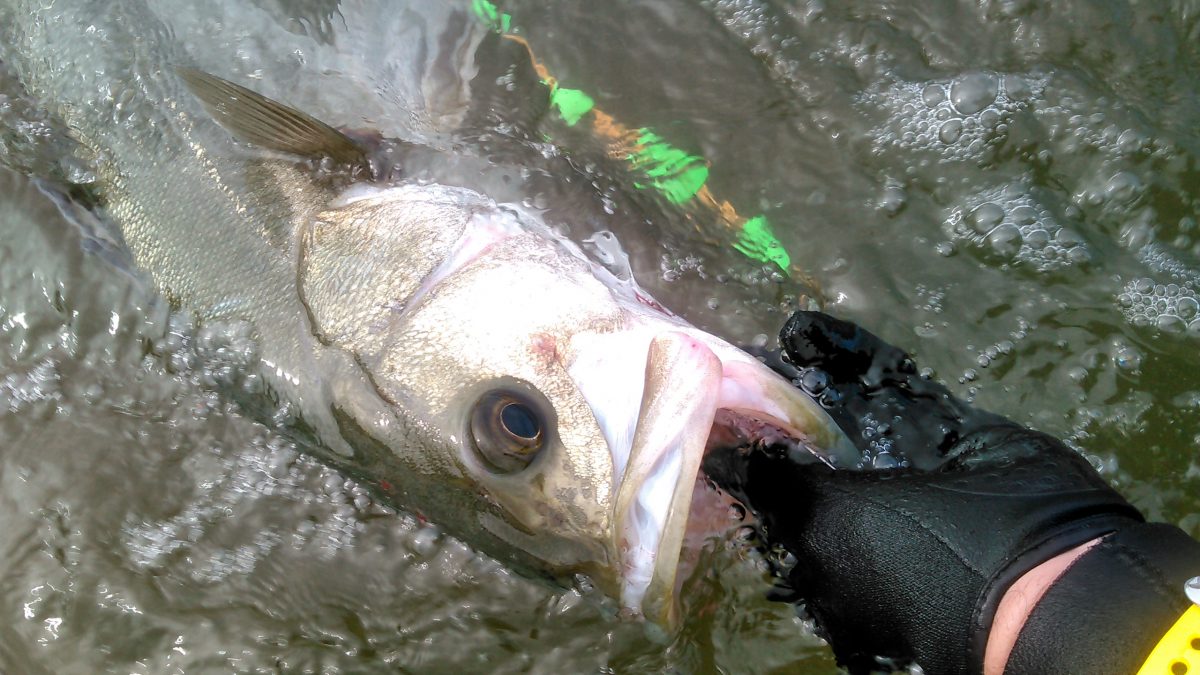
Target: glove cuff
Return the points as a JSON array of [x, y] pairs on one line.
[[1108, 610], [1051, 544], [1092, 510]]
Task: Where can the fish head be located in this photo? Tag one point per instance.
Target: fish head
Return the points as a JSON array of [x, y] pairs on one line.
[[551, 412]]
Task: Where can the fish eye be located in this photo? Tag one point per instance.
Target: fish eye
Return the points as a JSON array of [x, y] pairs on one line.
[[508, 430]]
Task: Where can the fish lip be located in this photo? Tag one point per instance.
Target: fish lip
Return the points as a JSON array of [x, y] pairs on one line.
[[679, 401], [737, 383]]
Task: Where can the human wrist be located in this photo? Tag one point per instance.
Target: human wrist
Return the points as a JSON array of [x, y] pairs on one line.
[[1112, 605], [1019, 600]]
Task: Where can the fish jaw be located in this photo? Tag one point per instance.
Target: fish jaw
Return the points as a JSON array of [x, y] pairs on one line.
[[658, 437], [679, 402]]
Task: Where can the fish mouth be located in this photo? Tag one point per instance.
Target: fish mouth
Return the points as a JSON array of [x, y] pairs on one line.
[[698, 391]]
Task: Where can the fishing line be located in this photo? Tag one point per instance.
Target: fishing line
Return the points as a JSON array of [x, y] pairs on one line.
[[678, 176]]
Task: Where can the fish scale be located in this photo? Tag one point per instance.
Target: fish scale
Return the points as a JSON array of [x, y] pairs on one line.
[[180, 208]]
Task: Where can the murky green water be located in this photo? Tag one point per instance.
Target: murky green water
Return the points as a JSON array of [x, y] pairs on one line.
[[1010, 189]]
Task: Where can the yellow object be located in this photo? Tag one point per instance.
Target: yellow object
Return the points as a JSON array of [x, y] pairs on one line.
[[1178, 652]]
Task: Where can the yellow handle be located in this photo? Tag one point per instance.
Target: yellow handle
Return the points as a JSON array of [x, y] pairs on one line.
[[1178, 652]]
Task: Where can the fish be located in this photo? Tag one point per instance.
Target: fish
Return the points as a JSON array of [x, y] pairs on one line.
[[453, 352]]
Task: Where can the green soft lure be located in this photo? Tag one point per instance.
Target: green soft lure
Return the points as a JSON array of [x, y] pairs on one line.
[[678, 176]]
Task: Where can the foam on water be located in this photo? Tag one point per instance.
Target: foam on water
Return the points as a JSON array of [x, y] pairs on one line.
[[1170, 307], [1006, 188], [965, 119], [1009, 224]]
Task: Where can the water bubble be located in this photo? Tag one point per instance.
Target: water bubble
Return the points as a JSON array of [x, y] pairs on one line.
[[885, 460], [1170, 323], [333, 485], [362, 501], [1037, 238], [1078, 256], [1017, 87], [814, 381], [1005, 240], [972, 93], [1139, 320], [1126, 357], [424, 541], [1024, 215], [830, 397], [933, 95], [951, 131], [985, 217], [1186, 307], [1122, 187], [893, 200], [1066, 237], [1131, 141]]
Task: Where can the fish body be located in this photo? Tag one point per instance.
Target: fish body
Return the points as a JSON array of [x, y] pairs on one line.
[[454, 352]]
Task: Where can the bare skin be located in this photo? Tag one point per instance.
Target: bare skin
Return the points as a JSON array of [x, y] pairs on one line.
[[1019, 600]]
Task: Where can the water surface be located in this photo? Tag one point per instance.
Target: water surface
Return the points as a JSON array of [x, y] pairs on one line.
[[1009, 189]]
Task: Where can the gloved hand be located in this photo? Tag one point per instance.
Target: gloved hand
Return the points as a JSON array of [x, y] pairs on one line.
[[909, 563]]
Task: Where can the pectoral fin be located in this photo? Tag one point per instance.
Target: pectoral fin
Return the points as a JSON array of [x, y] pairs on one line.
[[258, 120]]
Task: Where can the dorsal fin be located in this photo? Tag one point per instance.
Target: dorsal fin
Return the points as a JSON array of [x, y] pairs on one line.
[[258, 120]]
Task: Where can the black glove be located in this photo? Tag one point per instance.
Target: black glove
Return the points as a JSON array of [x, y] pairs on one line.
[[909, 563]]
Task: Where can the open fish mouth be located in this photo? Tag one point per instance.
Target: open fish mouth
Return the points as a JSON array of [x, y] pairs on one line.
[[696, 389]]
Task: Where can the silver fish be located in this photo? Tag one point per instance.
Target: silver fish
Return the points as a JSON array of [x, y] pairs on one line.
[[451, 351]]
